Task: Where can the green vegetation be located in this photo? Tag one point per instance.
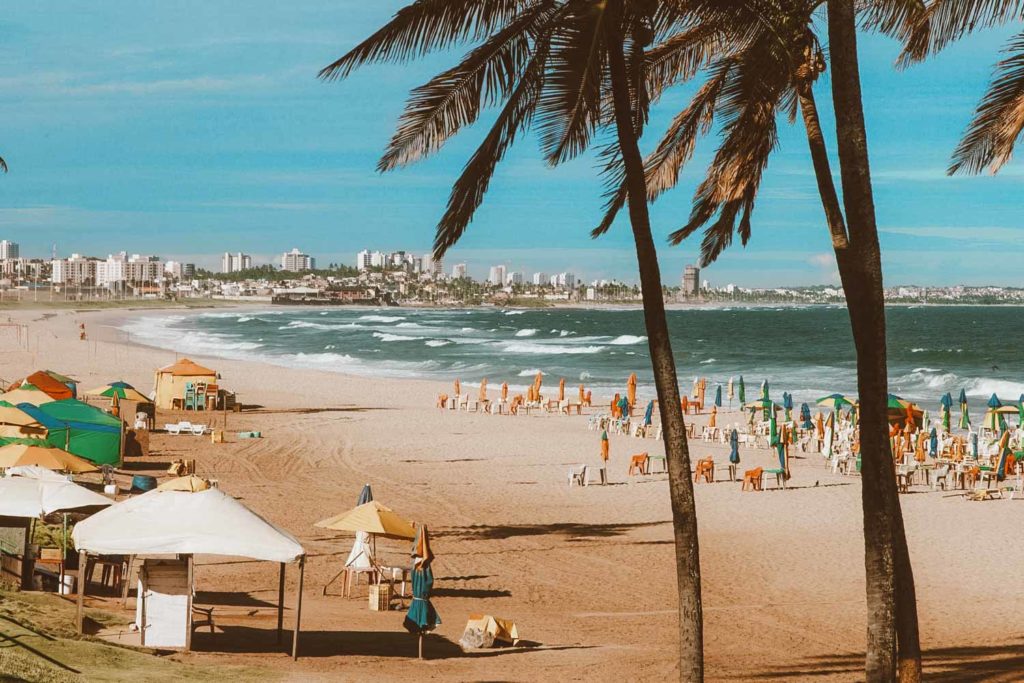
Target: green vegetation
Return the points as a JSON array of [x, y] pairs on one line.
[[274, 274]]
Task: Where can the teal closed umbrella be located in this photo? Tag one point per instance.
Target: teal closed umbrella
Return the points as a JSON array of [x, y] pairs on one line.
[[743, 392], [718, 396], [421, 617]]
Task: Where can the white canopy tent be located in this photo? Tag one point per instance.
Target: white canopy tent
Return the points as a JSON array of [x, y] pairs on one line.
[[35, 472], [30, 497], [209, 522]]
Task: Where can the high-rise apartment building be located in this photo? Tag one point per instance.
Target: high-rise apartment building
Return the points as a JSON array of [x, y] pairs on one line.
[[296, 261], [8, 250], [459, 271], [232, 263], [497, 276]]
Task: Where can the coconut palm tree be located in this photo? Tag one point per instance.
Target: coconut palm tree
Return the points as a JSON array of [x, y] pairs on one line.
[[998, 120], [768, 58], [573, 71]]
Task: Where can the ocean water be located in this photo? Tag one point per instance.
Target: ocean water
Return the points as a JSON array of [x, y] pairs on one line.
[[805, 350]]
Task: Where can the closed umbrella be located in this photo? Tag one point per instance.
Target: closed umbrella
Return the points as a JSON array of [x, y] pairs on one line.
[[773, 430], [718, 396], [764, 389], [734, 447], [648, 414], [365, 496], [805, 416], [624, 407], [581, 395], [561, 390], [504, 391], [458, 388], [1004, 452], [604, 445], [631, 389], [483, 390], [946, 401], [729, 392], [421, 617], [743, 392], [933, 443], [787, 404], [1020, 410], [965, 419], [945, 419], [538, 381], [713, 421]]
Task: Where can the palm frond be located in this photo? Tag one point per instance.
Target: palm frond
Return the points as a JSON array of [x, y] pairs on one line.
[[681, 57], [662, 166], [424, 26], [895, 18], [3, 165], [748, 105], [998, 120], [453, 99], [471, 186], [569, 109], [945, 21]]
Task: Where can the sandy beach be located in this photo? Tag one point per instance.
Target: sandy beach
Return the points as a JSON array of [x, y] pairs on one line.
[[586, 573]]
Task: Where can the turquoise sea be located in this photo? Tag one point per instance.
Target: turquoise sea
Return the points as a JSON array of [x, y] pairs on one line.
[[805, 350]]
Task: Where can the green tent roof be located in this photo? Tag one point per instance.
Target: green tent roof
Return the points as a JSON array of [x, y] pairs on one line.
[[73, 410]]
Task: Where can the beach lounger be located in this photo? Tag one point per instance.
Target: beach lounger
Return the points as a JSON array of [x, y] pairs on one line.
[[172, 428], [198, 430], [579, 475]]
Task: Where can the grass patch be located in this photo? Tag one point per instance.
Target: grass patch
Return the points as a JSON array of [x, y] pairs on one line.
[[38, 643]]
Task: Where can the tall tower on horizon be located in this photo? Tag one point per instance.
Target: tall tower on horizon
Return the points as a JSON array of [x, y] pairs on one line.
[[691, 281]]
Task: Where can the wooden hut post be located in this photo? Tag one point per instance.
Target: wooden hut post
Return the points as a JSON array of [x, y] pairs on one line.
[[298, 608], [280, 602], [79, 612]]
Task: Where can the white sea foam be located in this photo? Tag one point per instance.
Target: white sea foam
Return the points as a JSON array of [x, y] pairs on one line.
[[437, 342], [548, 349], [382, 318], [514, 312], [627, 340], [708, 361], [917, 350], [387, 337], [529, 373], [528, 332]]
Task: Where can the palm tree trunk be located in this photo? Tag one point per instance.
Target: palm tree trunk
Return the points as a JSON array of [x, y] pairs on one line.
[[891, 597], [684, 518], [823, 170]]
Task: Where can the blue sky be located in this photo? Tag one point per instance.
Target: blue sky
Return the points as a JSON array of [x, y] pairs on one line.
[[186, 128]]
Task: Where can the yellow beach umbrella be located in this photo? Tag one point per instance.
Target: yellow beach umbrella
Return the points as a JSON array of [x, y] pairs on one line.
[[18, 454], [190, 483], [373, 518]]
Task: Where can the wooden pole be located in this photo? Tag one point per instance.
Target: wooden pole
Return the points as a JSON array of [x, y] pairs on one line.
[[298, 608], [79, 612], [280, 603], [188, 613], [421, 646]]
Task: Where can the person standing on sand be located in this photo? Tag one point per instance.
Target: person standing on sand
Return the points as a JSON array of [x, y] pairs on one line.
[[604, 456]]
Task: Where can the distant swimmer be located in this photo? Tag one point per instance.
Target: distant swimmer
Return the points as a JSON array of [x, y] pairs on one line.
[[995, 367]]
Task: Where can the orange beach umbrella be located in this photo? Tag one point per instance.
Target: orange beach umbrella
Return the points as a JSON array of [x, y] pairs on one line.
[[504, 391], [538, 381], [631, 390], [582, 396], [561, 389], [483, 389], [458, 388]]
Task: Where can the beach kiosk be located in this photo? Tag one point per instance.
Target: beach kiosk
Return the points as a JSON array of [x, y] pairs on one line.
[[178, 385], [170, 525]]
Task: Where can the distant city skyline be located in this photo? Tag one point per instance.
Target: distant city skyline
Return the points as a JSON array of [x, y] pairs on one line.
[[191, 133]]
